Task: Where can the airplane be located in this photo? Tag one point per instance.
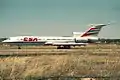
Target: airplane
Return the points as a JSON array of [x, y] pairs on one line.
[[89, 36]]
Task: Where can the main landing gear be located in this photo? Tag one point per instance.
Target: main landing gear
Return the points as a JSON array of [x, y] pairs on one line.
[[63, 47]]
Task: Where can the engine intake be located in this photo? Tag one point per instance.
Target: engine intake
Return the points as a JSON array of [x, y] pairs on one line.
[[81, 40], [86, 40]]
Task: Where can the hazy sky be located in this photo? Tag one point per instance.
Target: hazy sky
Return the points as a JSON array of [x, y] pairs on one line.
[[58, 17]]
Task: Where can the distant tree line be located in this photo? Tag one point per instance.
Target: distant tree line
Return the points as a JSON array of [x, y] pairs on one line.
[[109, 41]]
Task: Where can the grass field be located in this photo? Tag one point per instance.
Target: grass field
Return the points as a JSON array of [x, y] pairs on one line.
[[42, 62]]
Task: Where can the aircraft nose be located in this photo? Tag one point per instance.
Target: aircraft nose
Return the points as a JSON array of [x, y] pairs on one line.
[[5, 41]]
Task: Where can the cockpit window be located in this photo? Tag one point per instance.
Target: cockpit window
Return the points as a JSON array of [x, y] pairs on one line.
[[8, 38]]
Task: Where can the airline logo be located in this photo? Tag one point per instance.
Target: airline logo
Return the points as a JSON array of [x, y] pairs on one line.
[[91, 31], [30, 39]]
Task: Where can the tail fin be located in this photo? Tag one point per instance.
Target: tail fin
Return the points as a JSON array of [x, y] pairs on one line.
[[94, 30]]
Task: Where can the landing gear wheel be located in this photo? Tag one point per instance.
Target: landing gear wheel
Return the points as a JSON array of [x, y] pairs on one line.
[[59, 47], [66, 47], [19, 47]]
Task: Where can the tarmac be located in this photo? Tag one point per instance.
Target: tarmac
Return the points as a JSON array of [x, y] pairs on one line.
[[91, 50]]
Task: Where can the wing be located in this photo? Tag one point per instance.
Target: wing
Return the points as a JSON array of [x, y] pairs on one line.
[[69, 44]]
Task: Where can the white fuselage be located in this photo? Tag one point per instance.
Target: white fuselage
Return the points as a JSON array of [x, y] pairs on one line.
[[46, 40], [38, 40]]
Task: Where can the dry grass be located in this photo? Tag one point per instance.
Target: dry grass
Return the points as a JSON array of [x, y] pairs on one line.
[[81, 62]]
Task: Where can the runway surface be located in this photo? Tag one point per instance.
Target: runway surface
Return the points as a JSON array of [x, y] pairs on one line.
[[111, 50]]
